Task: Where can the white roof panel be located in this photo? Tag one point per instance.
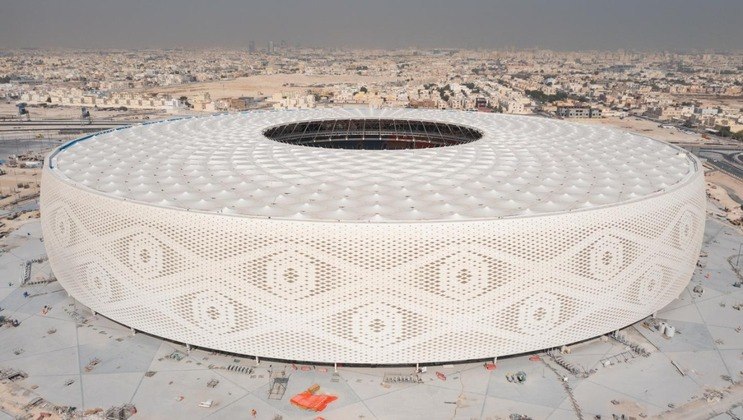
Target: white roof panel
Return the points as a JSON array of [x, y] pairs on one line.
[[522, 166]]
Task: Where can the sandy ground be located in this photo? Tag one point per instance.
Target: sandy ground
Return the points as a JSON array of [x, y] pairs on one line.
[[732, 209], [645, 128], [715, 402], [264, 85], [722, 179], [14, 400], [11, 225], [18, 184], [716, 180], [9, 221]]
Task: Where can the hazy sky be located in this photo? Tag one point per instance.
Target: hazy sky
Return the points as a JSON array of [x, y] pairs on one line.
[[555, 24]]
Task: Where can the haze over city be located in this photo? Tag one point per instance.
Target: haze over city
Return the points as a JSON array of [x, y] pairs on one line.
[[559, 25]]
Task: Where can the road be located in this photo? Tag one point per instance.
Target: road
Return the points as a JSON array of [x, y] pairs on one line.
[[83, 126], [725, 160]]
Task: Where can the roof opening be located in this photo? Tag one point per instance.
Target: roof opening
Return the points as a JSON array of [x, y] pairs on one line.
[[372, 134]]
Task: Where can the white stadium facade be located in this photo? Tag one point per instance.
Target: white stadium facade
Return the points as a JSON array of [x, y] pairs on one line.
[[392, 236]]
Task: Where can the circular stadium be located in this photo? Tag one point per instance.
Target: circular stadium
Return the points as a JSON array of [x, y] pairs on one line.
[[359, 236]]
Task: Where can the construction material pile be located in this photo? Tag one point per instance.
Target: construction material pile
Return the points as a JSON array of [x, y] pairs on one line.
[[309, 400]]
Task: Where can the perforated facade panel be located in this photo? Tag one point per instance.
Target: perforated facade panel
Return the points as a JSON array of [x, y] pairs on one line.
[[399, 290]]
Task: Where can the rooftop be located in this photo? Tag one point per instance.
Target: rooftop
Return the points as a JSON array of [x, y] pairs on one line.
[[521, 166]]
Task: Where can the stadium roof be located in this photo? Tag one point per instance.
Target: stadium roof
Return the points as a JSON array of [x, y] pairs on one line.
[[521, 166]]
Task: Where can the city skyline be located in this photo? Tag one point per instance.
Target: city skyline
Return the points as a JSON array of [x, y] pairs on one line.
[[474, 24]]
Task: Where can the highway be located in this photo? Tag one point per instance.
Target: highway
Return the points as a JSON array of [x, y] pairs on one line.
[[710, 146], [725, 160]]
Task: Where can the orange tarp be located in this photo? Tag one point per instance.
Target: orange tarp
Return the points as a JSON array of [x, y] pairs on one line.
[[308, 400]]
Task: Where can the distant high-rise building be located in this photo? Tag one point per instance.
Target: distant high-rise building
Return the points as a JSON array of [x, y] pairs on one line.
[[270, 49], [251, 47]]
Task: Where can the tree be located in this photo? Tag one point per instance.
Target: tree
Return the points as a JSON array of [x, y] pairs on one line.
[[540, 96], [724, 131]]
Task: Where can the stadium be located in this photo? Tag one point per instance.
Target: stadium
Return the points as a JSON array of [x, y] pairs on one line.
[[360, 236]]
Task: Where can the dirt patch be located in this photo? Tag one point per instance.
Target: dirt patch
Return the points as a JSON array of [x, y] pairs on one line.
[[717, 185], [265, 85], [645, 128], [726, 181], [18, 184], [16, 400], [712, 401]]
